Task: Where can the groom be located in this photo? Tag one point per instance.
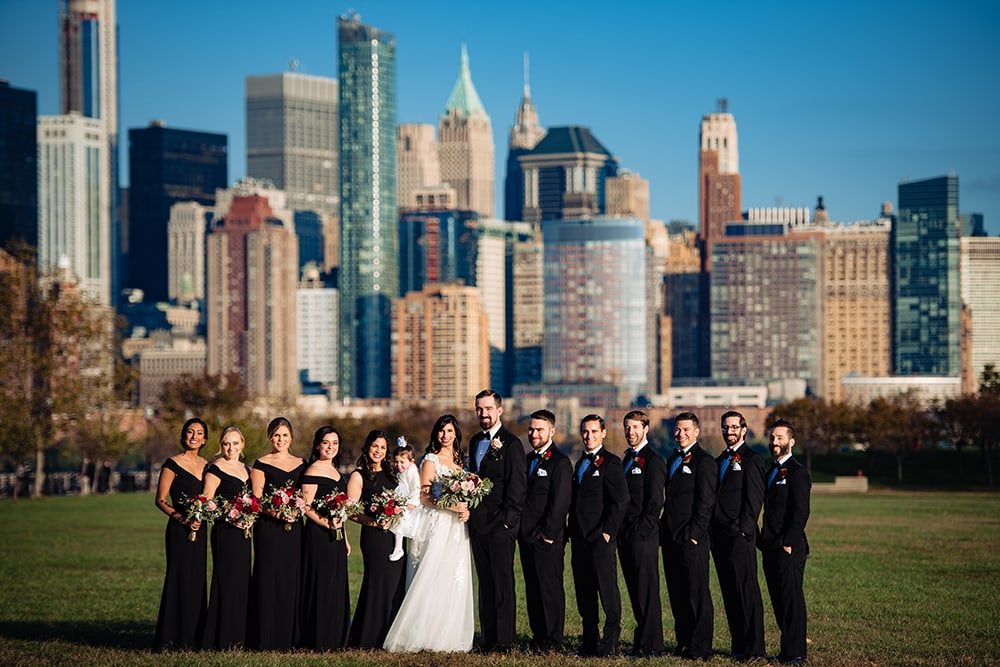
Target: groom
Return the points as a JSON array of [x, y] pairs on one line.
[[496, 454]]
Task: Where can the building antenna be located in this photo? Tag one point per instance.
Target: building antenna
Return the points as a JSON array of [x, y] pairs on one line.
[[527, 85]]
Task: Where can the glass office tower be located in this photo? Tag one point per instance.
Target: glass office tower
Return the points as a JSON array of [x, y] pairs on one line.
[[368, 221]]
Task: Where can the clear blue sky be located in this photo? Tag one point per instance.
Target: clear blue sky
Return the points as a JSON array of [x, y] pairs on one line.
[[841, 99]]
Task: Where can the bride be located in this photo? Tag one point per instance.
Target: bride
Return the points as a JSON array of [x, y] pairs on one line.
[[439, 572]]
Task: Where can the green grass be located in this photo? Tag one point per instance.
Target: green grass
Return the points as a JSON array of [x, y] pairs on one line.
[[895, 578]]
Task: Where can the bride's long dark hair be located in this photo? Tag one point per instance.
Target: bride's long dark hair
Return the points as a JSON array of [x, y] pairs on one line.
[[433, 447]]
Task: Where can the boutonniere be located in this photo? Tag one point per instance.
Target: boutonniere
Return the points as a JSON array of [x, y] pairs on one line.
[[638, 461], [598, 461], [547, 455], [687, 458], [735, 459], [783, 473], [496, 444]]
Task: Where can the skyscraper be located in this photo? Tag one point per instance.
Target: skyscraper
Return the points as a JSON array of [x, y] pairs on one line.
[[564, 175], [926, 302], [18, 165], [186, 251], [524, 136], [369, 254], [292, 137], [465, 145], [252, 266], [437, 246], [765, 304], [856, 323], [166, 166], [718, 176], [88, 67], [593, 335], [74, 219], [316, 332], [980, 286], [418, 164], [440, 352]]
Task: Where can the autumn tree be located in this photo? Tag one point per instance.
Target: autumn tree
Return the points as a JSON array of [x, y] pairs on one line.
[[899, 425], [820, 425], [53, 344]]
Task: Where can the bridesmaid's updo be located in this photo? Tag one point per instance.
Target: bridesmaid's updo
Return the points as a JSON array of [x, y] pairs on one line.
[[277, 423]]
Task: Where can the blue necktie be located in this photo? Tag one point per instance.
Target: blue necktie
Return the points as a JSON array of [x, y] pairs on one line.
[[629, 459], [774, 473], [484, 444], [676, 463], [725, 464], [535, 457], [584, 464]]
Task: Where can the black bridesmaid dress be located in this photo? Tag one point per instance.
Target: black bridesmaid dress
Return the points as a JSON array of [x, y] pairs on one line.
[[275, 583], [182, 605], [226, 623], [383, 583], [326, 606]]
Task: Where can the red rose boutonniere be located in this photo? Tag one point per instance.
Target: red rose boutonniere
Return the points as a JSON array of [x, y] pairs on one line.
[[547, 455], [783, 473], [687, 458], [639, 461], [735, 459], [598, 461]]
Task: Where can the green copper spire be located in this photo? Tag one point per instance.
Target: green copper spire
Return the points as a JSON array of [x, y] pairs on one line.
[[464, 99]]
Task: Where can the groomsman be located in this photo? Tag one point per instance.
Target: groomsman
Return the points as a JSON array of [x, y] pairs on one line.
[[692, 476], [734, 538], [595, 515], [639, 544], [542, 541], [783, 543], [498, 455]]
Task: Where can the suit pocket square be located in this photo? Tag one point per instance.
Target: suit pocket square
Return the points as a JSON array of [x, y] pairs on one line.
[[737, 466], [781, 481], [686, 470], [596, 473], [542, 472], [636, 471]]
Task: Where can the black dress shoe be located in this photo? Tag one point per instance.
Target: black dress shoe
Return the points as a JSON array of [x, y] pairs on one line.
[[794, 660]]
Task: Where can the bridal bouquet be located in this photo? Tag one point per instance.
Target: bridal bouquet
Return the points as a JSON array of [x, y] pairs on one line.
[[388, 508], [337, 506], [286, 503], [201, 508], [461, 486], [242, 510]]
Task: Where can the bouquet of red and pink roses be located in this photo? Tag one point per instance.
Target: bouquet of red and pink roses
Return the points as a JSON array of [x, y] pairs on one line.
[[201, 508], [337, 506], [388, 508], [242, 510], [461, 486], [286, 503]]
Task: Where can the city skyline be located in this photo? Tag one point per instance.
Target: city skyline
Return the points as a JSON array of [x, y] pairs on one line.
[[842, 102]]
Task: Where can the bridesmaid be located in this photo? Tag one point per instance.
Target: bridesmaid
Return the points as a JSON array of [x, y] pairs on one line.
[[382, 585], [182, 605], [325, 609], [277, 547], [226, 624]]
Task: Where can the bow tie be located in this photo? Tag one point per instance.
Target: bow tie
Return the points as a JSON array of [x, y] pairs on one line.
[[730, 452], [680, 452], [485, 435], [591, 455]]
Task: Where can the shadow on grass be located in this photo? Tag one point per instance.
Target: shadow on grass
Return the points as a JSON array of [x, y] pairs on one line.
[[109, 634]]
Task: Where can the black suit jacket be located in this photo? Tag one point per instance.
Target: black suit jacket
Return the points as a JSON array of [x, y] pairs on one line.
[[740, 495], [690, 498], [505, 467], [599, 499], [646, 481], [547, 500], [786, 508]]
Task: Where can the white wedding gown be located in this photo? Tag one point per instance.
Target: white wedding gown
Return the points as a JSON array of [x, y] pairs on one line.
[[437, 612]]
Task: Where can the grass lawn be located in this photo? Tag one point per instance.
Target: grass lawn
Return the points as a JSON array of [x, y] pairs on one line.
[[895, 578]]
